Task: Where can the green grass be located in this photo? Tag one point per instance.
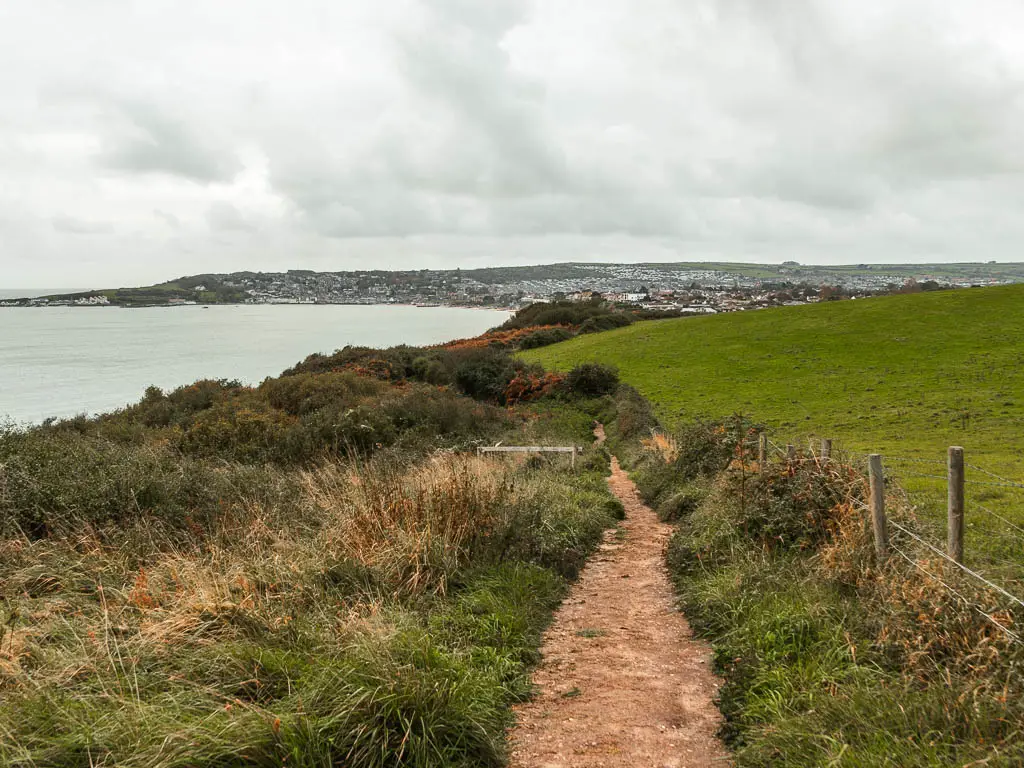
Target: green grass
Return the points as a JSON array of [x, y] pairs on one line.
[[829, 657], [905, 375]]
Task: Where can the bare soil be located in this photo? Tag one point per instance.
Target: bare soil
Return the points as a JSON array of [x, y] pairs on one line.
[[622, 681]]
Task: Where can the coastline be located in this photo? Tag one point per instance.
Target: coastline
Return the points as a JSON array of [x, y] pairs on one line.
[[27, 304]]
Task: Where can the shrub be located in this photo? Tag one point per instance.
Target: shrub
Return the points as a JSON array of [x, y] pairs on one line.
[[592, 380], [567, 313], [680, 504], [249, 431], [634, 418], [431, 370], [484, 374], [545, 337], [607, 322], [306, 392]]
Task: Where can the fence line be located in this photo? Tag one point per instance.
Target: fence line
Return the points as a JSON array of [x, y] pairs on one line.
[[954, 496], [918, 474], [1006, 480], [961, 566], [915, 460], [1012, 635]]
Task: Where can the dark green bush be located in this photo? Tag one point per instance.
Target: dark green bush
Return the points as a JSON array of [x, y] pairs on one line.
[[306, 392], [484, 374], [545, 337], [431, 370], [608, 322], [634, 418], [592, 380], [568, 313]]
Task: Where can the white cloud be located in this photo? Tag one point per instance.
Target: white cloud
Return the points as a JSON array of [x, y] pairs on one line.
[[453, 132]]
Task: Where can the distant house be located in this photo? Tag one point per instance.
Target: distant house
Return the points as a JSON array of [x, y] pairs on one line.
[[581, 296]]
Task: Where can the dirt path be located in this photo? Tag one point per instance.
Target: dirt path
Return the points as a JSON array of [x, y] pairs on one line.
[[622, 682]]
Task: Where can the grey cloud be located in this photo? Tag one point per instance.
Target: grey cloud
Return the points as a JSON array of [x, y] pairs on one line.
[[154, 142], [74, 226], [169, 219], [225, 217], [471, 137], [458, 132]]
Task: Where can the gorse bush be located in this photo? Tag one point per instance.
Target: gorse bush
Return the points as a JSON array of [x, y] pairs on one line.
[[484, 374], [606, 322], [592, 380], [634, 420], [296, 419], [544, 337], [565, 313], [61, 483], [303, 393]]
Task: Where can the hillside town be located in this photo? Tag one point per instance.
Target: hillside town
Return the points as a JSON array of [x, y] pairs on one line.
[[686, 288]]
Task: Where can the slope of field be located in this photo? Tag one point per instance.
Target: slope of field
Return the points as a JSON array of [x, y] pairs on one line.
[[902, 375]]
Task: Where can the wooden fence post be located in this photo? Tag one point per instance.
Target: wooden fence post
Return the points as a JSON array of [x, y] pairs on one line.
[[762, 451], [955, 505], [877, 478], [826, 450]]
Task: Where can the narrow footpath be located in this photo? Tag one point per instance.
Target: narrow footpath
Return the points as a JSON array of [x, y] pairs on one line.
[[622, 681]]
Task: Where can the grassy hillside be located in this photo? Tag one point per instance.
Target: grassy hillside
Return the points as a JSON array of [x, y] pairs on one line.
[[904, 375], [899, 373]]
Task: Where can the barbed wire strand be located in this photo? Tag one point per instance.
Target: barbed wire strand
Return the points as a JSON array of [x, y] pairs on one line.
[[991, 484], [961, 566], [996, 515], [1010, 634], [919, 474], [1011, 483]]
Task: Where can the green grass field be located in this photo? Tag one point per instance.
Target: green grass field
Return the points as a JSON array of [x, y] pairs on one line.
[[904, 376]]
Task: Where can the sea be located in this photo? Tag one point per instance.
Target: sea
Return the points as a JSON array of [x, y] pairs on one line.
[[64, 361]]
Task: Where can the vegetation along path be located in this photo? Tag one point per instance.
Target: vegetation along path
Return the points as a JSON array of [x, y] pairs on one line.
[[622, 682]]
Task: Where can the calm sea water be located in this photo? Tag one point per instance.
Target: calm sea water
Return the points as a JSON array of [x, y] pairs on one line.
[[66, 361]]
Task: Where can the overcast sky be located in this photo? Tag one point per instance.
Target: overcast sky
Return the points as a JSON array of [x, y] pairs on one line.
[[145, 140]]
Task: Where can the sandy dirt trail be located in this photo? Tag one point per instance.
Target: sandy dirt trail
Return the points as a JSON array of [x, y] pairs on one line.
[[622, 681]]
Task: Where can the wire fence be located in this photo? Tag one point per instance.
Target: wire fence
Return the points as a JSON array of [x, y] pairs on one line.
[[952, 489]]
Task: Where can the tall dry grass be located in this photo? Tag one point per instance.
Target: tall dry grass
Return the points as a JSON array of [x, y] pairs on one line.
[[362, 614], [413, 528]]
